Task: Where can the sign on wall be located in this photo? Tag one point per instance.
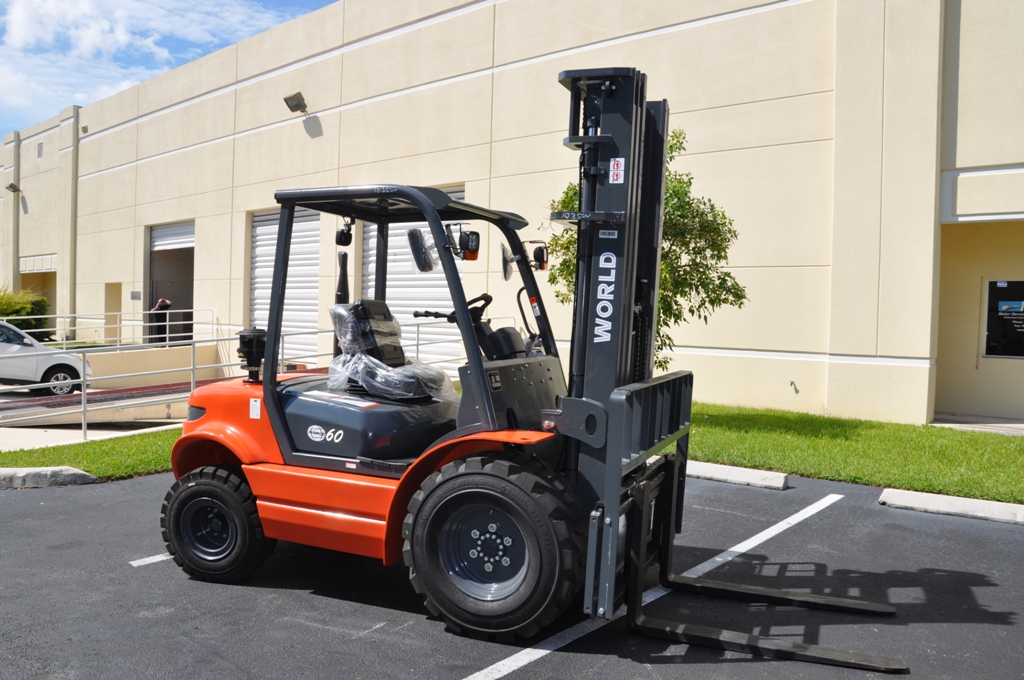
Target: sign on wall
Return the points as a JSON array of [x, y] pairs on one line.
[[1004, 334]]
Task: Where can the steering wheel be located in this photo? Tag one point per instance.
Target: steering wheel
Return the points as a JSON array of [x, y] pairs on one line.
[[475, 312]]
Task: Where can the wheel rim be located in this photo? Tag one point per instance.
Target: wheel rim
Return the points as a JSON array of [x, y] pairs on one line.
[[208, 529], [483, 551], [60, 389]]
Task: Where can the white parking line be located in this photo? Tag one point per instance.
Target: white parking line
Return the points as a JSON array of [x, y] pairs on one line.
[[150, 560], [545, 647]]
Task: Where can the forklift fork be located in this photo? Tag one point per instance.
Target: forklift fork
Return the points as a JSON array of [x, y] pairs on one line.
[[650, 542]]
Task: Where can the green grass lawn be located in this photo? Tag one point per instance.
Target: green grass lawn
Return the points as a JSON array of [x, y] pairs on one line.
[[933, 459], [120, 458], [920, 458]]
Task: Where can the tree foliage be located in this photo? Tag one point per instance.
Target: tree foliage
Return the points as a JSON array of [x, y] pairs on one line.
[[696, 235]]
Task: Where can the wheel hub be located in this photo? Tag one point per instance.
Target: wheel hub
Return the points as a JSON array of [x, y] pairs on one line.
[[483, 551], [208, 529]]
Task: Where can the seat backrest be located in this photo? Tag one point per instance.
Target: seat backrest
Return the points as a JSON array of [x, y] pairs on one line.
[[377, 333]]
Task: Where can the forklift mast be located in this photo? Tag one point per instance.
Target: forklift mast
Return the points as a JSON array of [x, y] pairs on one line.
[[615, 419], [628, 432]]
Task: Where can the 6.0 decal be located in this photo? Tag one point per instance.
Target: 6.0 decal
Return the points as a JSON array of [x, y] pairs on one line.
[[317, 434]]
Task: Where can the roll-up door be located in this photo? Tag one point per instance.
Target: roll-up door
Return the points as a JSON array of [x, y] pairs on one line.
[[172, 236], [431, 341], [301, 298]]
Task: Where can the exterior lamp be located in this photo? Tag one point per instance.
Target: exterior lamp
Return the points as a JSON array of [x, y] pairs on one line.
[[12, 187], [296, 103]]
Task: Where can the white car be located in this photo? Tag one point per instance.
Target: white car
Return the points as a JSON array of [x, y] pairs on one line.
[[24, 361]]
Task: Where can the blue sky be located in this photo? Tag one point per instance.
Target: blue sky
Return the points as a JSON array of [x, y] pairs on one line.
[[55, 53]]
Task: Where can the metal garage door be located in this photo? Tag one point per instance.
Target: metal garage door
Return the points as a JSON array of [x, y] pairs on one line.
[[301, 299], [439, 343]]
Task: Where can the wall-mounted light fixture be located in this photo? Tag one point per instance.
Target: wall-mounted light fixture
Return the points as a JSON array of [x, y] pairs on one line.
[[296, 103], [13, 188]]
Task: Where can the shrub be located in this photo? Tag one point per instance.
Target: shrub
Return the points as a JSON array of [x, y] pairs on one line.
[[22, 303]]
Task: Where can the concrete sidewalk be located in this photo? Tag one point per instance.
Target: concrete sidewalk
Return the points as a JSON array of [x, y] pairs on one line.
[[1010, 426], [15, 438]]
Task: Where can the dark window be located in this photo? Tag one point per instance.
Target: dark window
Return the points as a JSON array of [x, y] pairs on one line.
[[39, 150], [1004, 333]]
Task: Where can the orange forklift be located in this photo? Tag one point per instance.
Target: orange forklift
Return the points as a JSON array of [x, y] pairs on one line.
[[523, 493]]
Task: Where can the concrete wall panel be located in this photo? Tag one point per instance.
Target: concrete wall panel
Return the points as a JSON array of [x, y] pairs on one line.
[[434, 52], [787, 311], [215, 70], [364, 18], [286, 151], [109, 191], [201, 121], [109, 111], [191, 171], [302, 37], [111, 150], [445, 117]]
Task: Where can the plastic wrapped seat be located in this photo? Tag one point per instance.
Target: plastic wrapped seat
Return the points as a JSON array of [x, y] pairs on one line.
[[372, 357]]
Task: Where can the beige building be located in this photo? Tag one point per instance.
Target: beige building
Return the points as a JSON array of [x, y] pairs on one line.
[[871, 153]]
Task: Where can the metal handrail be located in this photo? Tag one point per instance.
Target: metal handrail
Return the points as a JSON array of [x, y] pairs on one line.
[[83, 382], [67, 326]]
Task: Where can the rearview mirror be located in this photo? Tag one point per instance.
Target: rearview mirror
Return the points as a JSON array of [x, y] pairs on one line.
[[343, 237], [540, 257], [421, 254], [469, 244], [506, 263]]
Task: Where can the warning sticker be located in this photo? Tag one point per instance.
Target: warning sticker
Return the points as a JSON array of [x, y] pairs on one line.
[[536, 307], [617, 171]]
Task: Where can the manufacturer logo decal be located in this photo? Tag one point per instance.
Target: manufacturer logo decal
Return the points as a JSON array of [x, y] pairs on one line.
[[316, 433]]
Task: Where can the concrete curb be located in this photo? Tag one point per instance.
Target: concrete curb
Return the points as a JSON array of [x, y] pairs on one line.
[[36, 478], [736, 475], [953, 505]]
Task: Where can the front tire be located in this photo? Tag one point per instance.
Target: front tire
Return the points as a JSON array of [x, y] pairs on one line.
[[58, 374], [495, 545], [211, 526]]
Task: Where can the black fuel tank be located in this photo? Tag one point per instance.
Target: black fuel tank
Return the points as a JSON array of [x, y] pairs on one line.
[[349, 426]]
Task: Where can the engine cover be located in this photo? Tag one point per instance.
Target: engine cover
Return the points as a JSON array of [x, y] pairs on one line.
[[341, 425]]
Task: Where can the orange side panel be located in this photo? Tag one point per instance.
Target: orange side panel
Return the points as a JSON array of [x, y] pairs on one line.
[[433, 460], [322, 528], [324, 508]]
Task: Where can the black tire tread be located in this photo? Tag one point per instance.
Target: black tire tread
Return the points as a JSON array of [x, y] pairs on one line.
[[232, 479], [561, 506]]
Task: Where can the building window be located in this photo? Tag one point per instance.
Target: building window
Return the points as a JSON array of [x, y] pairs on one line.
[[39, 150]]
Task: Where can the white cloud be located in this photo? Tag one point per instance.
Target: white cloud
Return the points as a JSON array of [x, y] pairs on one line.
[[56, 53]]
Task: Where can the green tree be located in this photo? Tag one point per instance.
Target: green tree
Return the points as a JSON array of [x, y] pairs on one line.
[[696, 235], [24, 303]]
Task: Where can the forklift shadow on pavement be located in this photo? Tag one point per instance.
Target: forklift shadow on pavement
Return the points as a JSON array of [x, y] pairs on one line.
[[924, 596]]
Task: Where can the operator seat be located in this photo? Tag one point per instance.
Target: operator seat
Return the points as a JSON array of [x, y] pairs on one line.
[[373, 360]]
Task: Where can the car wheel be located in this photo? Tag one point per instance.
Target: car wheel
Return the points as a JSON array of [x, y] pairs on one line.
[[494, 545], [211, 526], [59, 374]]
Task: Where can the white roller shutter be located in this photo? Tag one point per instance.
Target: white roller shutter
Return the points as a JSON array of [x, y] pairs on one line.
[[301, 298], [409, 289], [173, 236]]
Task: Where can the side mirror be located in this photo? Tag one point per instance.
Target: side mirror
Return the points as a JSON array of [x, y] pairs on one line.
[[343, 237], [421, 254], [540, 257], [506, 263], [469, 244], [27, 342]]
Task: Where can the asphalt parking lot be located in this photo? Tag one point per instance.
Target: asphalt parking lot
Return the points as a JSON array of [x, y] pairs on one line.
[[72, 606]]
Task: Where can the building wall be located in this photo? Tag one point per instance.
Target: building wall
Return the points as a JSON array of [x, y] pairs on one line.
[[838, 134]]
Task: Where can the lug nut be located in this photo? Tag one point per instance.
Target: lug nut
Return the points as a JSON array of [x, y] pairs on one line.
[[506, 561], [492, 527], [507, 541], [488, 566], [473, 553], [474, 533]]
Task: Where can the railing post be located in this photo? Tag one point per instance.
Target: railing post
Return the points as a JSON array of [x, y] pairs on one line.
[[85, 412], [193, 346]]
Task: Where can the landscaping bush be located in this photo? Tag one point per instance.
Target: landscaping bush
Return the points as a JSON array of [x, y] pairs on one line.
[[24, 303]]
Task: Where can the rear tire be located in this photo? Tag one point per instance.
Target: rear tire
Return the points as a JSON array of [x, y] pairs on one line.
[[495, 545], [211, 526]]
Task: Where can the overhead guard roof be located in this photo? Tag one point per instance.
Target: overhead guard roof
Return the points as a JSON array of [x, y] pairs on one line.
[[385, 202]]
